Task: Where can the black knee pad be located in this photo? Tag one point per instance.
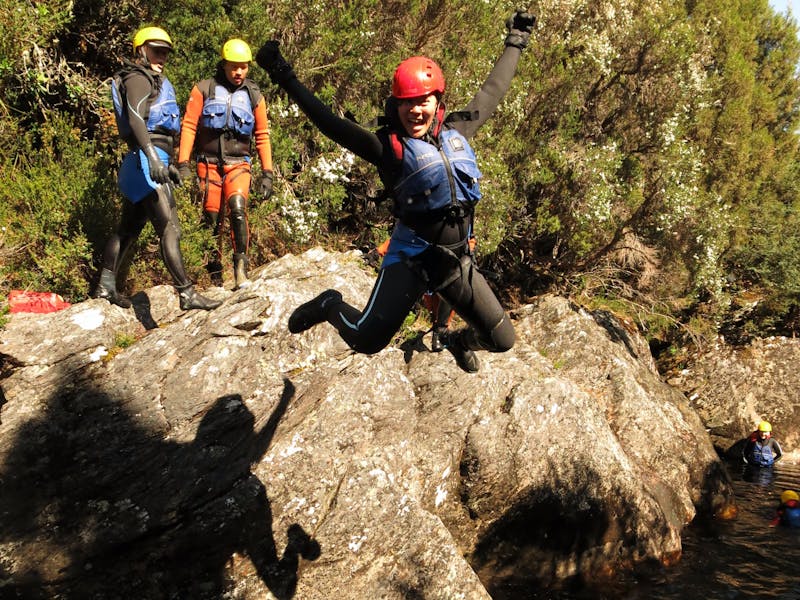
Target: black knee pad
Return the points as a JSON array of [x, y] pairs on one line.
[[503, 335], [237, 205]]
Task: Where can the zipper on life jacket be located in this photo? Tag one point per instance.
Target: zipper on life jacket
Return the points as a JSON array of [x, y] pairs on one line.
[[225, 133], [449, 170], [455, 207]]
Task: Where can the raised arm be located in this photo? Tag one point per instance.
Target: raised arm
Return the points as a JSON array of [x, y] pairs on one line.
[[497, 83], [344, 132]]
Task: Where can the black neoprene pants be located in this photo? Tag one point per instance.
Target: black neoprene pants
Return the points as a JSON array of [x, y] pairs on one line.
[[399, 287], [158, 207]]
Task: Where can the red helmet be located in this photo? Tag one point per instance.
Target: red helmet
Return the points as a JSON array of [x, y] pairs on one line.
[[417, 76]]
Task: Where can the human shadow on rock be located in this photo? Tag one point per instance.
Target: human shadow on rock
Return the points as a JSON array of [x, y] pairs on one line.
[[519, 551], [97, 505], [141, 308]]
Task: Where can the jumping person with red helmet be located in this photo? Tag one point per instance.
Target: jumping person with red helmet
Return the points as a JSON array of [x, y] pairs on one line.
[[441, 312], [222, 116], [425, 160], [148, 119]]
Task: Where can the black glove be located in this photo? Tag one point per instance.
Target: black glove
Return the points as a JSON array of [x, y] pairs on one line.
[[175, 176], [158, 170], [185, 171], [270, 59], [266, 184], [519, 25]]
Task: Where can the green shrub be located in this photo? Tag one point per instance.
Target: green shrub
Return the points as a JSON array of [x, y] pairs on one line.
[[54, 193]]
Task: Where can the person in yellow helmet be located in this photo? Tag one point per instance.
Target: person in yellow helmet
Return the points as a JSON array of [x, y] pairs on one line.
[[761, 449], [223, 115], [788, 512], [148, 119]]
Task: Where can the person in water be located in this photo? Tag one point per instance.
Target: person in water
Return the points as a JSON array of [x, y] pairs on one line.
[[761, 449], [424, 159], [788, 512]]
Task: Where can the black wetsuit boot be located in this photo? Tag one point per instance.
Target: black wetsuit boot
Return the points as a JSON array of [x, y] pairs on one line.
[[241, 238], [456, 342], [107, 289]]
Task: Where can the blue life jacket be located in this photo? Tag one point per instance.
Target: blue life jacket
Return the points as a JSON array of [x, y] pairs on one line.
[[761, 455], [162, 113], [435, 178], [791, 515], [226, 111]]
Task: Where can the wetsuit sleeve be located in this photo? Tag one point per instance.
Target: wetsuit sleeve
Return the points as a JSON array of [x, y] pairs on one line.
[[194, 108], [776, 447], [362, 142], [261, 135], [137, 93], [491, 93]]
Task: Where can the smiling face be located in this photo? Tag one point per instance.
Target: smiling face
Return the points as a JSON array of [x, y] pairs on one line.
[[416, 114], [156, 56], [235, 72]]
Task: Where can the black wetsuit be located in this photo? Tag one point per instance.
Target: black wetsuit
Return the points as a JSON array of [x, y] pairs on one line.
[[159, 206], [400, 285]]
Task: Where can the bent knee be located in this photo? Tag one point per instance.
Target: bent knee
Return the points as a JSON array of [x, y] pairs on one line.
[[503, 336], [369, 346]]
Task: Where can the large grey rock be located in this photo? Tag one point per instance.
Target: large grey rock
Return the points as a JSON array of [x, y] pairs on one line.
[[735, 387], [219, 455]]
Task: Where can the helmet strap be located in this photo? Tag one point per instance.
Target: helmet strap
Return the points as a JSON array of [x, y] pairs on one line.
[[438, 119], [143, 55]]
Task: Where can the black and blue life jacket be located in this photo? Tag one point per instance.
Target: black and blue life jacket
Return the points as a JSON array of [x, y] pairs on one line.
[[229, 111], [162, 113], [435, 178]]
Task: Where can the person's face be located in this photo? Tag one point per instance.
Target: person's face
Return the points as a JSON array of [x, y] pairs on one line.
[[156, 56], [416, 114], [763, 434], [235, 72]]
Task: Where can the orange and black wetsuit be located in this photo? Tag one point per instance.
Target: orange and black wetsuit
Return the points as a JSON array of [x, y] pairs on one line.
[[220, 122]]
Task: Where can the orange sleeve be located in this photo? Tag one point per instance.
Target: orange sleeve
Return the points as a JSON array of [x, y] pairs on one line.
[[261, 135], [384, 247], [194, 108]]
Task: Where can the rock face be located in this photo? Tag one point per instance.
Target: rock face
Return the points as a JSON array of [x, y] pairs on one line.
[[733, 388], [218, 455]]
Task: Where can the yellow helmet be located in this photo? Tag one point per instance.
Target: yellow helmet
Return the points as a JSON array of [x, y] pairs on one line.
[[155, 36], [789, 495], [236, 50], [765, 426]]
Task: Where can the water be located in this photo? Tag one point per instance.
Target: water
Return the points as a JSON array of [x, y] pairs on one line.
[[743, 558]]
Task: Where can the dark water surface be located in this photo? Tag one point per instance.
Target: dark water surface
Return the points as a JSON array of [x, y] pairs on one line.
[[724, 560]]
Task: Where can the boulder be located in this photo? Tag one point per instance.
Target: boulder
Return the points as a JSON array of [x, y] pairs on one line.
[[161, 453]]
